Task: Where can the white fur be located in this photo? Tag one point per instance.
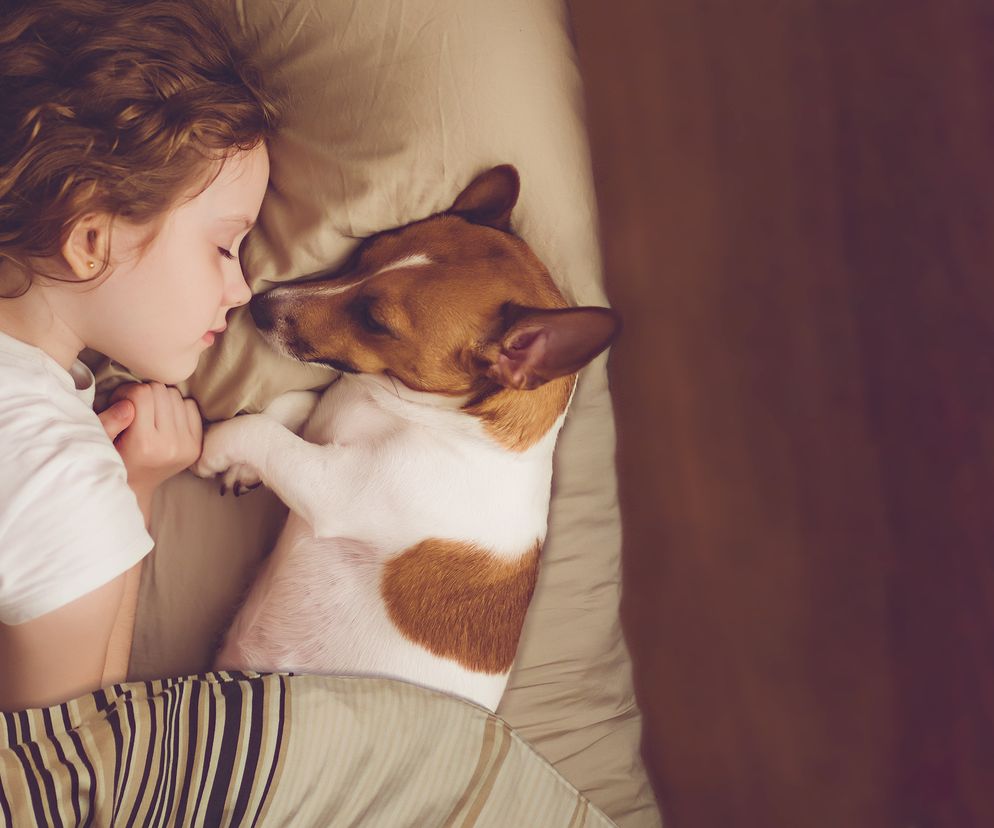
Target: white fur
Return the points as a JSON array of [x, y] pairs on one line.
[[378, 469]]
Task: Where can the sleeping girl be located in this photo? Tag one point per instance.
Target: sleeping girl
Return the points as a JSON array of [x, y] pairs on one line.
[[133, 163]]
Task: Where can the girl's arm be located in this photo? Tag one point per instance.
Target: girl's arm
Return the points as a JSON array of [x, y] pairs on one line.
[[86, 644], [122, 633], [75, 649], [119, 646], [59, 655], [160, 436]]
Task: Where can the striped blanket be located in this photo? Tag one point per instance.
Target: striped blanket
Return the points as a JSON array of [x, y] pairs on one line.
[[234, 749]]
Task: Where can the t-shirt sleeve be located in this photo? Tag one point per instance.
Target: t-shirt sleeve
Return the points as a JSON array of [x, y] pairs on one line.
[[69, 522]]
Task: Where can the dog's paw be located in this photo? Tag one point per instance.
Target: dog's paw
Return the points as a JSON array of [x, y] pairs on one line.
[[240, 479], [220, 456], [213, 454]]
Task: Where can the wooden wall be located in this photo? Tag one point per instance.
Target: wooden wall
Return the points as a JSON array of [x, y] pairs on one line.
[[796, 210]]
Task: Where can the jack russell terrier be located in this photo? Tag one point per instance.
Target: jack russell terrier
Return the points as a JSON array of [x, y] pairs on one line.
[[419, 485]]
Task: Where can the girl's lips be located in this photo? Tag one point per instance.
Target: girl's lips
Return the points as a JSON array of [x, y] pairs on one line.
[[209, 336]]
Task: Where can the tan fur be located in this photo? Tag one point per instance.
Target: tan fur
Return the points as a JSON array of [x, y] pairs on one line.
[[461, 602], [447, 318], [519, 419]]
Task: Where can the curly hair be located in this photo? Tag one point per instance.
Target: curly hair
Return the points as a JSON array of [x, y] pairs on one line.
[[114, 107]]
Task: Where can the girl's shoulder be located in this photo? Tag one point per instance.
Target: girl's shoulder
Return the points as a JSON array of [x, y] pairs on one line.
[[68, 520], [41, 400], [48, 429]]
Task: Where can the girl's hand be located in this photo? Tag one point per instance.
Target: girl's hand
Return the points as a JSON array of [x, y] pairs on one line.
[[158, 435]]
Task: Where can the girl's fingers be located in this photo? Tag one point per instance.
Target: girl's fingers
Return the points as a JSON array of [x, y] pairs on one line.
[[141, 395], [165, 416], [193, 419], [165, 425], [120, 392], [195, 429], [178, 409]]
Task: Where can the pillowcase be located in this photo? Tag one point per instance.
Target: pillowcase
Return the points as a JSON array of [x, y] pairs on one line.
[[392, 108]]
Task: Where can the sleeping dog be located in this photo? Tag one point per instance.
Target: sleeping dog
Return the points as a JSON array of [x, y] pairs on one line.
[[419, 485]]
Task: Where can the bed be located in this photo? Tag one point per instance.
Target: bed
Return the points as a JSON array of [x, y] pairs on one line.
[[392, 107]]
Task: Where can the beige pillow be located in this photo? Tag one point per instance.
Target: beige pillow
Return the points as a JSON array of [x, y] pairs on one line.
[[393, 108]]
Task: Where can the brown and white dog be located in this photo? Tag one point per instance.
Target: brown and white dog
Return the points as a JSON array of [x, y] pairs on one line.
[[419, 487]]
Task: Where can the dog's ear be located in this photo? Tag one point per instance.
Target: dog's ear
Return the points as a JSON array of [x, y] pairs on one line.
[[489, 198], [540, 344]]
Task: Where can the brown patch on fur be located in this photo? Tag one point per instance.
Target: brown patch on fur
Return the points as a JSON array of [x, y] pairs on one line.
[[460, 601], [519, 419]]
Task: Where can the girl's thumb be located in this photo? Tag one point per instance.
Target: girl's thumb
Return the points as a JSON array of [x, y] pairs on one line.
[[117, 418]]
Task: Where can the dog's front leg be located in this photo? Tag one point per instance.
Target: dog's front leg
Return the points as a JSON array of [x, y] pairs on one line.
[[291, 410], [316, 482]]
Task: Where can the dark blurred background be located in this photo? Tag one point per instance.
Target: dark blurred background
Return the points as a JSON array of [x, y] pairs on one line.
[[796, 218]]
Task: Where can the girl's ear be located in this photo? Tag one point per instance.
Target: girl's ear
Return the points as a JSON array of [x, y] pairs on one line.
[[86, 248], [540, 345]]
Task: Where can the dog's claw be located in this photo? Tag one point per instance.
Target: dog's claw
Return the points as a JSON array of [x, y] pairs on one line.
[[244, 488]]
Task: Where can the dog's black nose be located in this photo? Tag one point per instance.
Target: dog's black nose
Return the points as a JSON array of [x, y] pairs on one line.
[[261, 311]]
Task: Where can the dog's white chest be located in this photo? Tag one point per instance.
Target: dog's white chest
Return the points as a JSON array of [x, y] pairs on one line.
[[429, 474], [346, 414]]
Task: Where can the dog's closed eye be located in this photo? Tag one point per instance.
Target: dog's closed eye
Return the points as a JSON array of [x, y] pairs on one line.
[[365, 313]]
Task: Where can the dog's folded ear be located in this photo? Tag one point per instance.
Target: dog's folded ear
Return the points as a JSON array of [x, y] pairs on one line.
[[489, 198], [542, 344]]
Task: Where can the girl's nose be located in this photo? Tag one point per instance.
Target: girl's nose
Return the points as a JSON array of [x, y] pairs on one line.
[[238, 291]]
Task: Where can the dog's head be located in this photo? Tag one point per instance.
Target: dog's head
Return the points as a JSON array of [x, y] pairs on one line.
[[446, 305]]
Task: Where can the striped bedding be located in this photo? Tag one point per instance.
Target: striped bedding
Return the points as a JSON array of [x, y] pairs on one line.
[[233, 749]]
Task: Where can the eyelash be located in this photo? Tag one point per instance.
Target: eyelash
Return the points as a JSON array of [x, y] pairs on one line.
[[226, 253]]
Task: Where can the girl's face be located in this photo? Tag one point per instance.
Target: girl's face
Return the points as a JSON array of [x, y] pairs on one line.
[[153, 312]]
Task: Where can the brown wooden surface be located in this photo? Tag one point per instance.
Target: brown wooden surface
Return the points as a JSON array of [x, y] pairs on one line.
[[796, 215]]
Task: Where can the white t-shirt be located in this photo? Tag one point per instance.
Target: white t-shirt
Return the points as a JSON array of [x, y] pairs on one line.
[[69, 523]]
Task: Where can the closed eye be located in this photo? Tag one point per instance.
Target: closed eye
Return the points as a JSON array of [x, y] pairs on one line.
[[226, 253], [364, 313]]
